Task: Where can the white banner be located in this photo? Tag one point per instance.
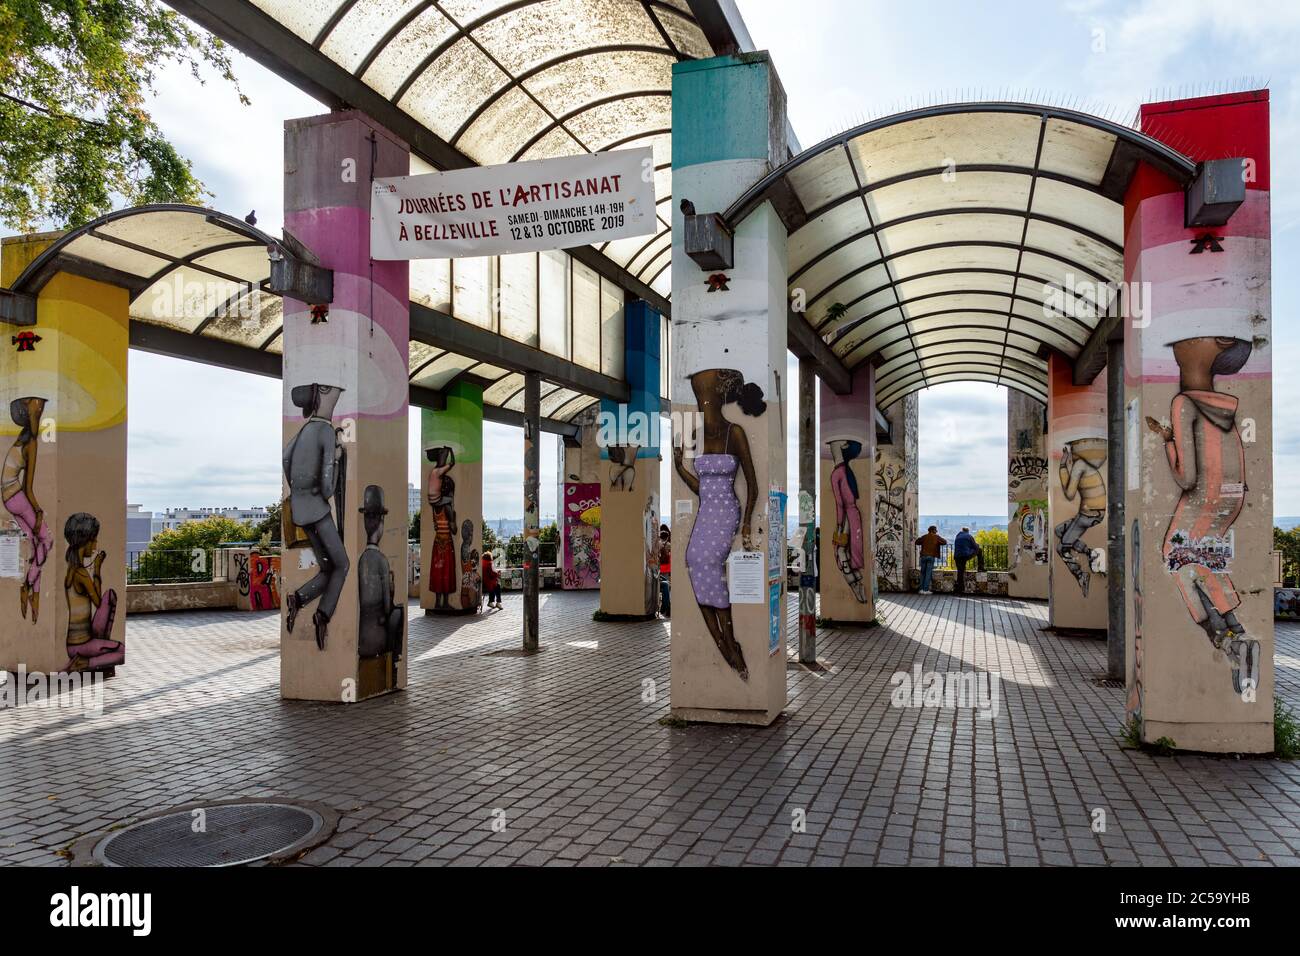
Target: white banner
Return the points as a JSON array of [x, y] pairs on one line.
[[515, 207]]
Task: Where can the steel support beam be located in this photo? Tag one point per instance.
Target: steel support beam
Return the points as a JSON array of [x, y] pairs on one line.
[[532, 505], [17, 308], [1092, 357], [442, 331], [1115, 536], [807, 344], [808, 511]]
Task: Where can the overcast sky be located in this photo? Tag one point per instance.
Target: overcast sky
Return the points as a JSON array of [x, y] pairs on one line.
[[840, 62]]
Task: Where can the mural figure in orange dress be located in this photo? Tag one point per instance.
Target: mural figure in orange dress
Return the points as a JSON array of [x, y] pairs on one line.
[[1207, 460], [444, 571]]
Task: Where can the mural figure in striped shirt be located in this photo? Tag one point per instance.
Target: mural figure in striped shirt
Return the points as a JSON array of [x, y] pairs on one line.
[[1081, 478], [1208, 461]]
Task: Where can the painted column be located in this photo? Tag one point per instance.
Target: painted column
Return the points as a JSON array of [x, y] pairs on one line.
[[896, 505], [847, 450], [629, 475], [808, 512], [532, 519], [1029, 533], [729, 394], [1076, 500], [63, 480], [1199, 441], [343, 633], [579, 498], [451, 509]]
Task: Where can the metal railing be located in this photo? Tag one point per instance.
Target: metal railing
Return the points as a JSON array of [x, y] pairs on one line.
[[995, 558], [176, 566]]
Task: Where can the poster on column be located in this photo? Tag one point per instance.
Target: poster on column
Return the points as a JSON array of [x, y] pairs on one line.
[[514, 207]]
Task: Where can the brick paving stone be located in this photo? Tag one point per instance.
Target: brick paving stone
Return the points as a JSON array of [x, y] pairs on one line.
[[565, 746]]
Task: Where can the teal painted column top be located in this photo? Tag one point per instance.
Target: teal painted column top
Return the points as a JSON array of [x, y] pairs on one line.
[[723, 108]]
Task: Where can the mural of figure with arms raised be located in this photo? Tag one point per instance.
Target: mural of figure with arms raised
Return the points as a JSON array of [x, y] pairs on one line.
[[91, 609], [1208, 462], [315, 467], [1081, 477], [724, 450], [17, 490], [848, 516]]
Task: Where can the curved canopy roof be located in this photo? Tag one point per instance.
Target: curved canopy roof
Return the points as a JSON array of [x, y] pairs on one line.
[[199, 285], [505, 80], [938, 243]]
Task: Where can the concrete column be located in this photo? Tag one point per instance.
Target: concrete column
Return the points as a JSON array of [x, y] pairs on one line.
[[808, 511], [629, 475], [847, 448], [1076, 482], [345, 419], [1199, 441], [451, 507], [63, 431], [532, 489], [1029, 535], [1115, 578], [729, 393], [579, 497], [896, 507]]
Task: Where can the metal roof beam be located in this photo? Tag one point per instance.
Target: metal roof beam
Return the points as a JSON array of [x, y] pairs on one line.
[[807, 344], [442, 331], [1092, 357]]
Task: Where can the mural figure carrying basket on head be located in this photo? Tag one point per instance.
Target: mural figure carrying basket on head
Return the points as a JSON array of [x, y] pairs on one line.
[[444, 571]]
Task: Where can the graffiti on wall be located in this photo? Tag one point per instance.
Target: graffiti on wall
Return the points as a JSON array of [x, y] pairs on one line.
[[622, 466], [1133, 707], [723, 450], [92, 608], [581, 535], [1025, 469], [1029, 532], [1082, 479], [315, 466], [471, 578], [891, 523], [263, 581], [17, 490], [847, 537], [1207, 459]]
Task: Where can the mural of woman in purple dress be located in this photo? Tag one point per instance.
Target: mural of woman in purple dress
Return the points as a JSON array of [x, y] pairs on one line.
[[724, 449], [849, 555], [91, 609], [17, 491]]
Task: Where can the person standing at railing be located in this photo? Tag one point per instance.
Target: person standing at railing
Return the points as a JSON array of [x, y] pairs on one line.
[[931, 545], [964, 548]]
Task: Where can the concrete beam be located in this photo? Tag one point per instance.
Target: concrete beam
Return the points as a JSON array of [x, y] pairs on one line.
[[1092, 357], [807, 344], [17, 308]]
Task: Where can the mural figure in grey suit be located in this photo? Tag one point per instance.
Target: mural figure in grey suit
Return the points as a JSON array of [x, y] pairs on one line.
[[312, 468], [380, 629]]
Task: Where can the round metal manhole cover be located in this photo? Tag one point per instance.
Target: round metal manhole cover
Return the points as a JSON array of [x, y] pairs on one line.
[[225, 835]]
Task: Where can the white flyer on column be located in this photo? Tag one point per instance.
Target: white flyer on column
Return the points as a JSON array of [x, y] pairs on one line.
[[515, 207], [745, 581]]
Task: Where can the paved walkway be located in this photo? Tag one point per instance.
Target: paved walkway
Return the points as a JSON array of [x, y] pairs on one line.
[[564, 745]]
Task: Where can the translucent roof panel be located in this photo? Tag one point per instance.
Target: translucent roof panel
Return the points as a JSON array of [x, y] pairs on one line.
[[959, 241]]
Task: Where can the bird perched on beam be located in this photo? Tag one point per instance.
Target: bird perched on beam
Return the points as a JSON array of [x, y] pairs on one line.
[[688, 208], [251, 218]]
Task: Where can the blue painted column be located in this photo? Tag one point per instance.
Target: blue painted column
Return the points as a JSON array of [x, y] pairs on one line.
[[729, 402], [629, 481]]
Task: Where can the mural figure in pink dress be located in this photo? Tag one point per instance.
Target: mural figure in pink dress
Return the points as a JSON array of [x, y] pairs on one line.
[[91, 609], [849, 555], [1208, 461], [724, 450], [17, 484]]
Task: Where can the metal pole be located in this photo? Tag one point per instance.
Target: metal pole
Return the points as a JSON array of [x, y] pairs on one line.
[[532, 469], [808, 511], [1115, 509]]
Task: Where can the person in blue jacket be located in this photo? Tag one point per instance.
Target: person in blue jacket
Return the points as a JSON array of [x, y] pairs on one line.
[[964, 548]]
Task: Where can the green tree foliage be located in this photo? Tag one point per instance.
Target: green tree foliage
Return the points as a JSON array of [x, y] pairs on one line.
[[995, 537], [75, 131], [490, 540], [268, 530], [1288, 542], [205, 534], [550, 534], [413, 530]]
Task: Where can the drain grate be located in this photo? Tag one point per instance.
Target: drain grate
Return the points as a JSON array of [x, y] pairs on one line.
[[1104, 681], [231, 834]]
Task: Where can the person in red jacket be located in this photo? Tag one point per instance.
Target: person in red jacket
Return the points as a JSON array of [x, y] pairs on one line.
[[491, 581]]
